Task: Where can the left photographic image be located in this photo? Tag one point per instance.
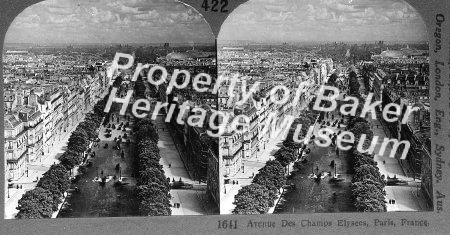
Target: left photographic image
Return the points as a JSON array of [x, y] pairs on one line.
[[107, 109]]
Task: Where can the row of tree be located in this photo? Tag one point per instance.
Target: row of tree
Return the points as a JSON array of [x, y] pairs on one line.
[[84, 134], [43, 200], [353, 83], [260, 195], [153, 188], [287, 153], [367, 183]]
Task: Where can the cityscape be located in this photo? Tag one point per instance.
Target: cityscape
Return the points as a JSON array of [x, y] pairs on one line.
[[330, 47], [76, 148], [65, 157]]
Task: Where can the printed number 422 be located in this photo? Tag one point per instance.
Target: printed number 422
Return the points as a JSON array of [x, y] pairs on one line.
[[213, 5]]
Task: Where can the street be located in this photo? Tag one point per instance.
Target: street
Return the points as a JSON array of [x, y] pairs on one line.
[[95, 200], [35, 171]]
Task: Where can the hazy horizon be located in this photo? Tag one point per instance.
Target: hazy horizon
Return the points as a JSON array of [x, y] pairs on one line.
[[109, 22], [326, 20], [222, 42]]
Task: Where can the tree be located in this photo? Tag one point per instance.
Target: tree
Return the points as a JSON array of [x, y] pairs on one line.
[[368, 197], [153, 192], [150, 175], [90, 127], [147, 145], [362, 159], [272, 175], [94, 118], [118, 81], [306, 120], [147, 131], [99, 108], [153, 186], [139, 88], [36, 204], [78, 141], [70, 159], [56, 180], [150, 162], [268, 181], [354, 121], [150, 208], [361, 128], [367, 172], [252, 199], [285, 156], [332, 79]]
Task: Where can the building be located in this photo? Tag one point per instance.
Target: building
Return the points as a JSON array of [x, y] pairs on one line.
[[33, 122], [15, 147]]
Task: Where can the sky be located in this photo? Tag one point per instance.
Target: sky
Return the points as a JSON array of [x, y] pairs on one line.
[[324, 20], [109, 21]]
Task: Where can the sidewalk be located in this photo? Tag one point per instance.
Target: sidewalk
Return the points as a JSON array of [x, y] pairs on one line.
[[406, 197], [251, 167], [403, 196], [190, 202], [35, 170], [169, 155]]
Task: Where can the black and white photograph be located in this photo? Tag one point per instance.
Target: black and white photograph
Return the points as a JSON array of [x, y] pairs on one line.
[[75, 146], [225, 116], [329, 108]]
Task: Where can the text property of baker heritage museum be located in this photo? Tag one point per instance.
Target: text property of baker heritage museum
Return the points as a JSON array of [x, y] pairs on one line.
[[343, 140]]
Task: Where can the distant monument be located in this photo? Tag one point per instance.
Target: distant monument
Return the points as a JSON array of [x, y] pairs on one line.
[[348, 53]]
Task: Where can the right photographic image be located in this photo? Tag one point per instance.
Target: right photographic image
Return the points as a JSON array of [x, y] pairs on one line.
[[326, 108]]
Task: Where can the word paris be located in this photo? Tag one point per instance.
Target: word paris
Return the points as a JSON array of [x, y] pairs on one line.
[[241, 123]]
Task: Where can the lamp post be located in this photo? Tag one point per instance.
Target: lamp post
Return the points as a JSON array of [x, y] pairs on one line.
[[225, 188], [27, 171], [8, 191]]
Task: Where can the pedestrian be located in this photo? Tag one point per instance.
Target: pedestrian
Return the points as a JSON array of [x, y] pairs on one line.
[[237, 182], [170, 165], [384, 162]]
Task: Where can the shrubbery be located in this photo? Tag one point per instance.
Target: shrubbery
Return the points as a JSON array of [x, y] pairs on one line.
[[367, 183], [42, 201], [259, 196], [153, 186]]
